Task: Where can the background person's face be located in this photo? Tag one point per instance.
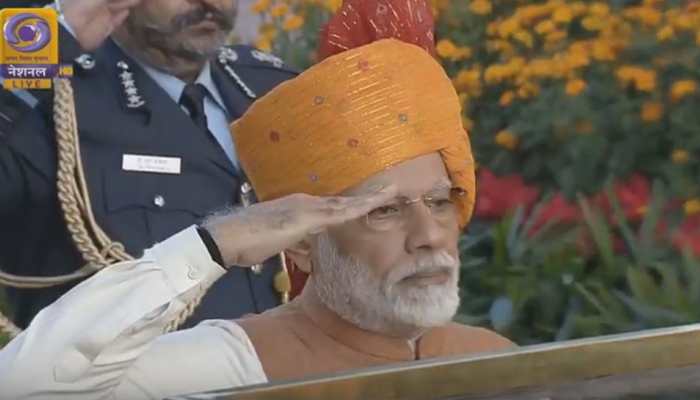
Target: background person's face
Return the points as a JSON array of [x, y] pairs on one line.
[[405, 277], [190, 29]]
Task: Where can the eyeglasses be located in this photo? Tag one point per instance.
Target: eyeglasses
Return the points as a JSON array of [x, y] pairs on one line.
[[392, 216]]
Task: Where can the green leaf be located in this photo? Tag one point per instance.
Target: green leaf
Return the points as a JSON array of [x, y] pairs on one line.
[[651, 219], [627, 234], [600, 232], [642, 284]]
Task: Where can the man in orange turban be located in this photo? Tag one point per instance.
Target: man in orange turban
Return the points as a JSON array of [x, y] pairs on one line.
[[365, 177]]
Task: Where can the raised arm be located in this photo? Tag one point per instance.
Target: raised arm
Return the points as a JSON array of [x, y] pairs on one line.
[[92, 21], [104, 338]]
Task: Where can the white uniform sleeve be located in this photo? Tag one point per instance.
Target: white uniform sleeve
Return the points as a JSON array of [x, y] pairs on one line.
[[104, 338]]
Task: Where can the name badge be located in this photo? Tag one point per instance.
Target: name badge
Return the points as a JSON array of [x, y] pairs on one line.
[[159, 165]]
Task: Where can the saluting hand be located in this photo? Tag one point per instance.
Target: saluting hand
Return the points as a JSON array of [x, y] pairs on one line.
[[251, 235], [94, 20]]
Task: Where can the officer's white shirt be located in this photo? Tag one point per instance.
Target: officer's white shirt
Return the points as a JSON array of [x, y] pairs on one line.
[[217, 116], [104, 338]]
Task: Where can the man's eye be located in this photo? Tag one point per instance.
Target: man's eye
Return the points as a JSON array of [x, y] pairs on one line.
[[385, 212], [440, 204]]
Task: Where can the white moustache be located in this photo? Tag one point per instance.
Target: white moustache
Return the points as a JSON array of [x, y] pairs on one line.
[[428, 264]]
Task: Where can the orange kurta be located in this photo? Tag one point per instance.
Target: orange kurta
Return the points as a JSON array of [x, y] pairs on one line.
[[305, 338]]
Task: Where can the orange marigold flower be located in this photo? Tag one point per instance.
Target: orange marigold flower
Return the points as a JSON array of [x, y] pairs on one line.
[[500, 45], [576, 59], [532, 12], [268, 31], [264, 43], [507, 140], [643, 79], [692, 206], [508, 27], [492, 28], [279, 10], [683, 88], [652, 111], [500, 72], [646, 82], [603, 51], [680, 156], [599, 9], [563, 15], [293, 22], [446, 48], [665, 33], [524, 37], [468, 80], [555, 37], [684, 22], [648, 16], [462, 53], [507, 98], [593, 23], [334, 5], [528, 89], [480, 7], [578, 8], [260, 6], [545, 27], [575, 86]]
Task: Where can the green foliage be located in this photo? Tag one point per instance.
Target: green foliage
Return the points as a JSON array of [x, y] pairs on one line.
[[538, 287]]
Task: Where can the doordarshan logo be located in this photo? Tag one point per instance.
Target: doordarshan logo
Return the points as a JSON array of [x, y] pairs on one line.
[[29, 49], [27, 32]]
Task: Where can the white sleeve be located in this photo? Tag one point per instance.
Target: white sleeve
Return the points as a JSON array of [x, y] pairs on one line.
[[102, 338]]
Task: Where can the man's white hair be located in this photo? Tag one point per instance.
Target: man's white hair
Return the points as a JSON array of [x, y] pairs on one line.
[[351, 289]]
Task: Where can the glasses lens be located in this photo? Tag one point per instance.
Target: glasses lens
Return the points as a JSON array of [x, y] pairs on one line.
[[441, 206], [385, 218]]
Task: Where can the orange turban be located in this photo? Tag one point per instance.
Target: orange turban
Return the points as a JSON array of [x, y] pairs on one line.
[[351, 116]]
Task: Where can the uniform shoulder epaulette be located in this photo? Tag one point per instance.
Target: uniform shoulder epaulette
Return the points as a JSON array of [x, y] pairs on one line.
[[245, 65], [248, 56]]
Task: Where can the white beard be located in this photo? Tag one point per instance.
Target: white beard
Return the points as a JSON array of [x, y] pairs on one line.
[[350, 289]]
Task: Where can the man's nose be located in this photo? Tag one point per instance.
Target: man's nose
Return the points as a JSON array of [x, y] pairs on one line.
[[423, 231]]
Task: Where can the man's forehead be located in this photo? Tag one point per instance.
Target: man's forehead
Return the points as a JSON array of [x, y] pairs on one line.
[[415, 177]]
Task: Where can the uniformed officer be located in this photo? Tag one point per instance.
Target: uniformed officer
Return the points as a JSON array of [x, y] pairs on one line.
[[155, 90]]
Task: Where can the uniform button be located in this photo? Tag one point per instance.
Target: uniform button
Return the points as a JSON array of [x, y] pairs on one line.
[[257, 269], [193, 273], [159, 201], [86, 62]]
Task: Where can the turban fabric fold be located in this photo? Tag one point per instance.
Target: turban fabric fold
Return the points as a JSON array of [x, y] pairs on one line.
[[359, 111]]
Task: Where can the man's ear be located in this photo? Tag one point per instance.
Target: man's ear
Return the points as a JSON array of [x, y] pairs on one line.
[[300, 254]]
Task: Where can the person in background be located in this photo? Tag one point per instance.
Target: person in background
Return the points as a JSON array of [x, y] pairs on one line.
[[155, 90]]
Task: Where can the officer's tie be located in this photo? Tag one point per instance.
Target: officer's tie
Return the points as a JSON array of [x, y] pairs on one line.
[[193, 100]]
